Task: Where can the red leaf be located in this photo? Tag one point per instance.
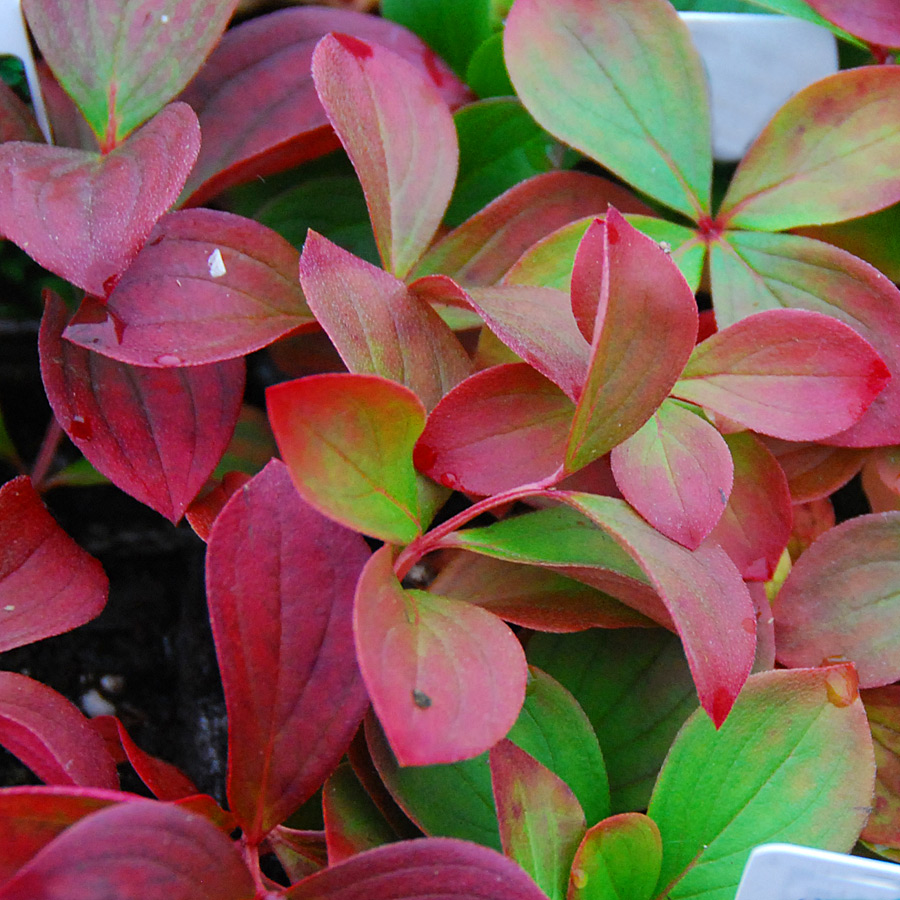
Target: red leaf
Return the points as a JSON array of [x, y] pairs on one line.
[[48, 584], [203, 511], [815, 471], [207, 286], [676, 471], [280, 581], [456, 680], [481, 250], [874, 21], [426, 869], [17, 123], [788, 373], [255, 97], [49, 734], [136, 851], [632, 283], [756, 524], [30, 817], [156, 433], [400, 135], [500, 428], [90, 226], [378, 325]]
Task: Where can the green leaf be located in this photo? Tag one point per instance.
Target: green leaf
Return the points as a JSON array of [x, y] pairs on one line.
[[348, 441], [500, 145], [827, 155], [635, 687], [121, 61], [622, 83], [486, 73], [452, 28], [619, 858], [792, 763]]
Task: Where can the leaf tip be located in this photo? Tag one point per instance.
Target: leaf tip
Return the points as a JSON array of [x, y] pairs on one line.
[[354, 46]]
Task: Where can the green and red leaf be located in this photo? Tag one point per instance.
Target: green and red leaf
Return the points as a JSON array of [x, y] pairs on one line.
[[399, 133], [827, 155], [883, 711], [280, 582], [622, 56], [788, 373], [92, 224], [348, 442], [456, 681]]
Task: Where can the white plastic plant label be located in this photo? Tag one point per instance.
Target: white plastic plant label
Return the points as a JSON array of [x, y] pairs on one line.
[[754, 64], [14, 42], [789, 872]]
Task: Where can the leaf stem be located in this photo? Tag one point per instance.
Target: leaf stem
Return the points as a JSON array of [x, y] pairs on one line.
[[46, 453], [431, 540]]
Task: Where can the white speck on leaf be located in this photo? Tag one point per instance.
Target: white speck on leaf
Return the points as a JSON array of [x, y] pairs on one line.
[[164, 19], [9, 607], [216, 264]]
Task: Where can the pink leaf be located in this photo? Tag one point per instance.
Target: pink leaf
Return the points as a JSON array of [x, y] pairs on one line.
[[500, 428], [789, 373], [17, 123], [207, 286], [101, 209], [709, 604], [756, 524], [632, 366], [378, 325], [400, 135], [48, 584], [676, 471], [456, 679], [280, 581], [815, 471], [49, 734], [481, 250], [841, 600], [156, 433], [541, 821], [136, 851], [255, 97], [426, 869], [874, 21]]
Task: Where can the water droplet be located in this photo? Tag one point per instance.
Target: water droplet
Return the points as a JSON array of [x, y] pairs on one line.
[[168, 360], [164, 19], [216, 264], [80, 428], [841, 685], [424, 457], [579, 878], [450, 480], [749, 626], [421, 699], [9, 607]]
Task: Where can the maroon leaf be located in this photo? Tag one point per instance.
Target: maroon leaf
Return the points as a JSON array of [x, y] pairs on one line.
[[203, 511], [207, 286], [30, 817], [47, 733], [533, 598], [481, 250], [100, 210], [48, 584], [120, 62], [378, 325], [788, 373], [136, 851], [255, 97], [156, 433], [427, 869], [676, 471], [756, 524], [400, 135], [280, 581], [841, 600], [300, 852], [500, 428], [541, 821], [883, 712], [815, 471], [456, 680], [614, 296], [16, 120]]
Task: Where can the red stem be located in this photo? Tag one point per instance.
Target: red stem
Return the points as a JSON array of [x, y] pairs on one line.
[[431, 540], [49, 445]]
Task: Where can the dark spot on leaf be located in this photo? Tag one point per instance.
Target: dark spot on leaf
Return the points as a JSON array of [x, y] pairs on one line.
[[612, 233], [421, 699], [749, 625], [360, 49]]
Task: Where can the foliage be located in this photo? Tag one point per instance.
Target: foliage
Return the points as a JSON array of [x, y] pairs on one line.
[[611, 682]]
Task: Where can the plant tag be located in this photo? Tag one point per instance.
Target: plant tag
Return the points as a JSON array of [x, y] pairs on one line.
[[754, 64], [789, 872], [14, 42]]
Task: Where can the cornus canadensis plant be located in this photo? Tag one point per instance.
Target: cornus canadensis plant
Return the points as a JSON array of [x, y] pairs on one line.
[[544, 597]]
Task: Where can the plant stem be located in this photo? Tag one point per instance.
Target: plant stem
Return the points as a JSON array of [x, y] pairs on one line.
[[49, 446], [431, 540]]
